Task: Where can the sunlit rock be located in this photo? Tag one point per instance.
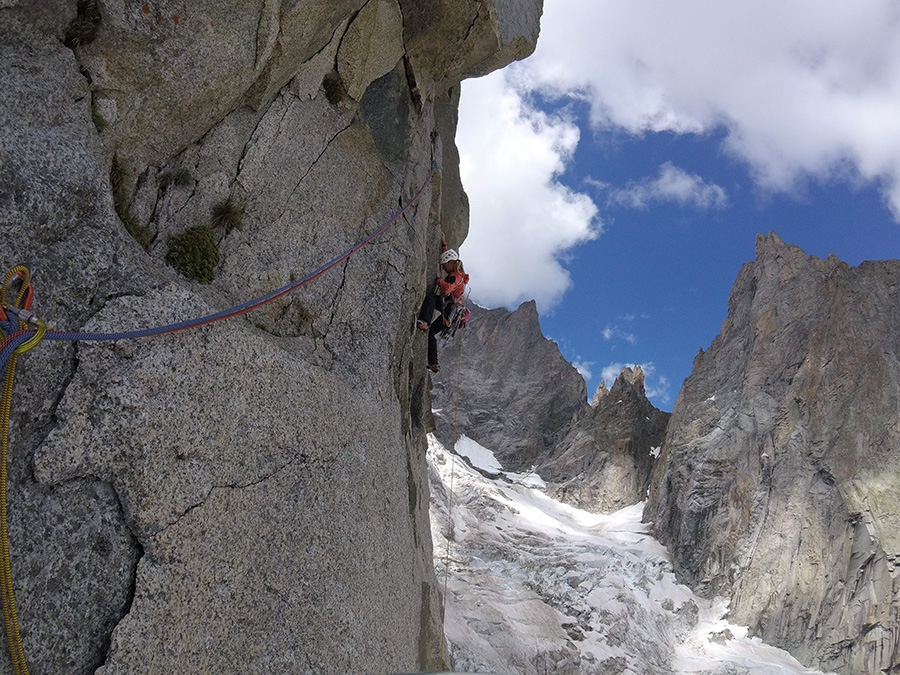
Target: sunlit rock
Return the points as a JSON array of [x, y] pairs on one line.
[[777, 483]]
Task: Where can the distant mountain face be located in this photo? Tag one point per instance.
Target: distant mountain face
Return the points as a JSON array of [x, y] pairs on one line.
[[604, 461], [779, 482], [506, 386]]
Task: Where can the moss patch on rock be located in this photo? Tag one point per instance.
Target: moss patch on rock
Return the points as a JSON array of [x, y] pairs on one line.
[[194, 253]]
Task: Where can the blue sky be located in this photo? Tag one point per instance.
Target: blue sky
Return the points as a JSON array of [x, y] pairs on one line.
[[620, 175]]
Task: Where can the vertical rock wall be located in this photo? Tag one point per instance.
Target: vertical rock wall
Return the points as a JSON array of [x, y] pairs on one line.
[[250, 496], [778, 483]]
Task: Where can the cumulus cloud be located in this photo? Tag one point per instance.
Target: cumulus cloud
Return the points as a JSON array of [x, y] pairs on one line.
[[523, 220], [584, 368], [671, 184], [656, 387], [808, 88]]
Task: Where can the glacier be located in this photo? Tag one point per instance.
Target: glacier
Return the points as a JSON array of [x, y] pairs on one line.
[[534, 586]]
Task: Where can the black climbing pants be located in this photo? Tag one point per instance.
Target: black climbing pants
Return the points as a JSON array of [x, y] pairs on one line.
[[432, 303]]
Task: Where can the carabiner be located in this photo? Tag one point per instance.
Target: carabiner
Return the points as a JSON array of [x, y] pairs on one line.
[[24, 297], [33, 341]]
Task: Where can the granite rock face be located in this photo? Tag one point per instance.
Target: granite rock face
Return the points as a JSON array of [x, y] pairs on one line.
[[506, 386], [250, 496], [488, 35], [604, 462], [778, 483]]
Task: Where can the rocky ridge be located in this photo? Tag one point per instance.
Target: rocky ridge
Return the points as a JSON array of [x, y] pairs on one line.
[[506, 386], [777, 485], [604, 462], [250, 496]]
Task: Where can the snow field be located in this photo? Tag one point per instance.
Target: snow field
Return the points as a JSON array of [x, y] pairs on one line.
[[536, 586]]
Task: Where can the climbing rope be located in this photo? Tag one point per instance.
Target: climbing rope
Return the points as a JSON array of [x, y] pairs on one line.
[[453, 458], [250, 305], [23, 331], [16, 343]]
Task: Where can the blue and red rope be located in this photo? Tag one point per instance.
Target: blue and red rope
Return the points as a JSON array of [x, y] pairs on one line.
[[248, 306]]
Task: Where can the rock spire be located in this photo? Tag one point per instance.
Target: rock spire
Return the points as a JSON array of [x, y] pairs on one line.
[[777, 485]]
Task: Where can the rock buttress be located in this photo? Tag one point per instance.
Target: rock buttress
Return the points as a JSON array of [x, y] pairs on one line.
[[250, 496], [777, 485]]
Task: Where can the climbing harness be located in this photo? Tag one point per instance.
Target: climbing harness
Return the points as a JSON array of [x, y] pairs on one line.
[[21, 331], [455, 317]]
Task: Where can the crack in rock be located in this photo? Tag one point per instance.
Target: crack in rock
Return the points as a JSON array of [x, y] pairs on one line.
[[309, 169], [301, 458]]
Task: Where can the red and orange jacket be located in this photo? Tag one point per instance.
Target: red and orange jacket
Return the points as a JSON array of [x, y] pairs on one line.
[[454, 285]]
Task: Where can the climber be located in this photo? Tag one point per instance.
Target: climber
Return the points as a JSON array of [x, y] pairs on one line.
[[440, 303]]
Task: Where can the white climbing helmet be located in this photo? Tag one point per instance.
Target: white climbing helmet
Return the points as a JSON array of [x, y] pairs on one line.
[[449, 255]]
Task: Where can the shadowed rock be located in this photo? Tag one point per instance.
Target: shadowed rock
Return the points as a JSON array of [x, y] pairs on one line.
[[506, 386], [604, 462], [250, 496]]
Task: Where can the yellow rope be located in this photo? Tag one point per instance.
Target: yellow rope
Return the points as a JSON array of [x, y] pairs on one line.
[[10, 619], [7, 592]]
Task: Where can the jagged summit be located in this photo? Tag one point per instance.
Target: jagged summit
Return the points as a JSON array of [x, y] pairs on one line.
[[604, 462], [600, 393], [633, 377], [778, 480], [508, 387]]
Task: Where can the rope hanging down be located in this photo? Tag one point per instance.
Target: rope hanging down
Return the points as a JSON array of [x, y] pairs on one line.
[[11, 347], [23, 331]]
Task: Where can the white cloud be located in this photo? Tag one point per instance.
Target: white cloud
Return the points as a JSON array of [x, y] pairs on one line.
[[584, 368], [671, 184], [803, 88], [657, 387], [610, 333], [522, 219]]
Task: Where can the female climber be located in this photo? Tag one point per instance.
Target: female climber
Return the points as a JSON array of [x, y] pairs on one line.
[[449, 289]]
